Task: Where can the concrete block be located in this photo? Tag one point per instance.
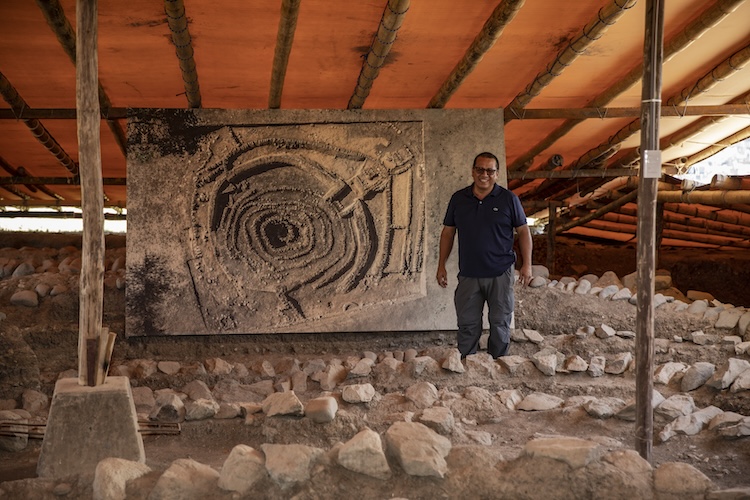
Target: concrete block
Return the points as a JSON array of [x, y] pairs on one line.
[[88, 424]]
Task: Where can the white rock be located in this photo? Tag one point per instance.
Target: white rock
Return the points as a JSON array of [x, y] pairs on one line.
[[539, 401], [290, 464], [596, 366], [664, 373], [725, 375], [697, 375], [322, 410], [358, 393], [675, 406], [111, 477], [419, 450], [364, 454], [741, 383], [438, 418], [604, 331], [422, 394], [283, 403], [575, 452], [510, 398], [185, 478]]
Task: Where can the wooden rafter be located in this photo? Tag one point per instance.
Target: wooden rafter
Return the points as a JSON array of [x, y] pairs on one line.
[[17, 103], [284, 41], [483, 42], [733, 109], [56, 19], [591, 32], [713, 15], [178, 25], [391, 21]]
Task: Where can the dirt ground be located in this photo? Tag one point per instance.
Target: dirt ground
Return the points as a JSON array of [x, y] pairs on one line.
[[51, 336]]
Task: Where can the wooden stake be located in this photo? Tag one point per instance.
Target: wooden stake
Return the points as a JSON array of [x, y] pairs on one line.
[[106, 345], [92, 194]]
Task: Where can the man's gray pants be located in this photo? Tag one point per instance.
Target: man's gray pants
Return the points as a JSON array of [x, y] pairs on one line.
[[470, 297]]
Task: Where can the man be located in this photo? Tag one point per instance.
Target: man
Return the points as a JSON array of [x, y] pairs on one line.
[[485, 215]]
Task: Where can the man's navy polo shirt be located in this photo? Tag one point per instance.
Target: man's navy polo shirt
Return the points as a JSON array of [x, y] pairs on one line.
[[485, 230]]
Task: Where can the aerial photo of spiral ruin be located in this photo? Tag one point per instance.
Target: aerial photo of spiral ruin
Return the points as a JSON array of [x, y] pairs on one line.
[[383, 249]]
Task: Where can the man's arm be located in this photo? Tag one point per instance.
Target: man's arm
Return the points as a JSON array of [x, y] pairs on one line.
[[446, 245], [525, 244]]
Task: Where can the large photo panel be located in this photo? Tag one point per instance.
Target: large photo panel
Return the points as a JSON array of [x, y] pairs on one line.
[[298, 221]]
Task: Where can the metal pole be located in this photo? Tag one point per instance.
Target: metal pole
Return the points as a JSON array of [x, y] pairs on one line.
[[653, 52]]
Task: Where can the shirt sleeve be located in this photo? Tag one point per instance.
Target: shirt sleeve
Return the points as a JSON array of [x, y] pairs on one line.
[[519, 215], [449, 219]]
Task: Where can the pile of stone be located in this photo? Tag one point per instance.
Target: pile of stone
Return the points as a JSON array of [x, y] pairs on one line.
[[46, 272], [726, 317], [548, 466]]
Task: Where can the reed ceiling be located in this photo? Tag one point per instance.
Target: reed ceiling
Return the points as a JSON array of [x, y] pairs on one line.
[[566, 73]]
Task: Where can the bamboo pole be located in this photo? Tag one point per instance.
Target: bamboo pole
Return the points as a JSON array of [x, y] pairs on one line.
[[573, 174], [720, 181], [632, 112], [650, 160], [11, 96], [178, 25], [390, 23], [594, 29], [92, 200], [714, 215], [483, 42], [716, 198], [551, 230], [738, 136], [708, 19], [55, 16], [599, 154], [686, 226], [708, 239], [706, 221], [598, 213], [284, 41]]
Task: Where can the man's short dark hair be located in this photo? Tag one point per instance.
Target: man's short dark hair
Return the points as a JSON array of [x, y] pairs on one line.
[[486, 154]]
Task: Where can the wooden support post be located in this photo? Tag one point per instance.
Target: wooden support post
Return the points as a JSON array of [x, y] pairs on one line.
[[92, 193], [650, 172], [551, 237], [659, 232]]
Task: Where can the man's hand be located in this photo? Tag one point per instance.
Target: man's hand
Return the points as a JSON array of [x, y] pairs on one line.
[[524, 275], [442, 277]]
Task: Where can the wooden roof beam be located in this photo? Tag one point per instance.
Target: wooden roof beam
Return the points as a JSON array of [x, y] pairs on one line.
[[730, 109], [22, 173], [55, 16], [178, 25], [680, 136], [594, 29], [391, 21], [11, 96], [581, 114], [712, 16], [710, 239], [730, 66], [483, 42], [284, 42], [28, 180]]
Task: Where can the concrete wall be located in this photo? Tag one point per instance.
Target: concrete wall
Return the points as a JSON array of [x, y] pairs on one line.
[[294, 221]]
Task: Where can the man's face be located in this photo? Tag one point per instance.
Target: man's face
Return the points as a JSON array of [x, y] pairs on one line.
[[484, 172]]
